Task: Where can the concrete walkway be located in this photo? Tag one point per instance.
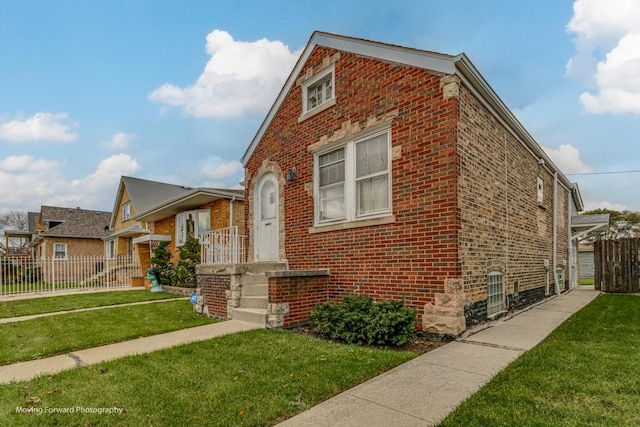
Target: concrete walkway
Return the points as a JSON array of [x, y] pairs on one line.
[[426, 389], [23, 371]]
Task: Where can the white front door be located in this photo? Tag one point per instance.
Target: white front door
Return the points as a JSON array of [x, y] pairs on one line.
[[267, 245]]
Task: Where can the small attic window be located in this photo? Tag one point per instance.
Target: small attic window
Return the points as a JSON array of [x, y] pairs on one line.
[[540, 191], [318, 90]]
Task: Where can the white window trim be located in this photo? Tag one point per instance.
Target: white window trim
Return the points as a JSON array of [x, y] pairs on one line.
[[66, 253], [126, 211], [306, 111], [350, 201], [111, 248], [179, 241], [501, 308], [540, 190]]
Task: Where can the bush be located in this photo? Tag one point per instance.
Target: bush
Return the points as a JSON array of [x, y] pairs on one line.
[[189, 258], [360, 320]]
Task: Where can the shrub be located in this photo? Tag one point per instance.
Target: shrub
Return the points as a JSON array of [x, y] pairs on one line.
[[189, 259], [162, 258], [360, 320]]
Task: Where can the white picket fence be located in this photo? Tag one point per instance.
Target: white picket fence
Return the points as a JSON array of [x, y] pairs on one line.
[[23, 275]]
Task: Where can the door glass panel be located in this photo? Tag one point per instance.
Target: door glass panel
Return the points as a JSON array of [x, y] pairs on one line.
[[268, 200]]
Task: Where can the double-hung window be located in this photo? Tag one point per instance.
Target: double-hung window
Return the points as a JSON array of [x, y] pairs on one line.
[[126, 211], [59, 250], [354, 180]]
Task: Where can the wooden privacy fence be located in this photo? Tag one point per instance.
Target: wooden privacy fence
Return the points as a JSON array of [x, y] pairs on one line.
[[24, 275], [616, 265]]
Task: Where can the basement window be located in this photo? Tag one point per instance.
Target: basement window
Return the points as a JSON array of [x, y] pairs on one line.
[[495, 293]]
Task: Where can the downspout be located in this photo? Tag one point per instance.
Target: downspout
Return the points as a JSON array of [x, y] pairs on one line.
[[555, 231], [573, 272], [233, 199]]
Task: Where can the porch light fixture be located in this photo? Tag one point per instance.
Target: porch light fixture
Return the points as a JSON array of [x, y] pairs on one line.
[[291, 174]]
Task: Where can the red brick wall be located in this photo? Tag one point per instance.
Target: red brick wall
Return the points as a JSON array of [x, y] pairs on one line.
[[302, 293], [213, 287], [412, 257]]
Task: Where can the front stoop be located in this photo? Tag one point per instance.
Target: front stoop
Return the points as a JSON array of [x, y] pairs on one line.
[[254, 294]]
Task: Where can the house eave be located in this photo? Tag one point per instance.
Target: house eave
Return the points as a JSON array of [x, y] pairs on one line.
[[470, 74], [190, 200]]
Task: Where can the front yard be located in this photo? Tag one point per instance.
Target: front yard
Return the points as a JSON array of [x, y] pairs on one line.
[[254, 378], [584, 373]]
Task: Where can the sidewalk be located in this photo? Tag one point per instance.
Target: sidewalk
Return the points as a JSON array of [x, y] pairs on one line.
[[426, 389], [27, 370]]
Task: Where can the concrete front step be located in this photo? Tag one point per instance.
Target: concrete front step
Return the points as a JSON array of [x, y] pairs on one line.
[[254, 279], [255, 316], [254, 302], [255, 291]]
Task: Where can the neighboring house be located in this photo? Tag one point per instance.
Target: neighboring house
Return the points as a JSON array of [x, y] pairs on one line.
[[146, 213], [401, 174], [17, 242], [64, 232]]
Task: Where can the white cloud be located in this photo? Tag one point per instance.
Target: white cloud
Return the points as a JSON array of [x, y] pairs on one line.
[[42, 183], [121, 140], [601, 27], [567, 158], [220, 173], [240, 78], [39, 127]]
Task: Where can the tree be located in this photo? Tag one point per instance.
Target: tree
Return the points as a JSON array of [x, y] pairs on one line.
[[189, 258], [162, 259], [12, 220], [621, 224]]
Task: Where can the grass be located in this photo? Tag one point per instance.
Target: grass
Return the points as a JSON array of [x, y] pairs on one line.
[[586, 281], [51, 335], [584, 373], [254, 378], [25, 307]]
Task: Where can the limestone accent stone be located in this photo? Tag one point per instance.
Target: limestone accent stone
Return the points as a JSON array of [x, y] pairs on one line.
[[450, 86], [449, 325], [439, 310], [446, 315]]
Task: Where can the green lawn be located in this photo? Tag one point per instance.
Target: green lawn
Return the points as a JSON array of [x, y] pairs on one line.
[[586, 373], [51, 335], [586, 281], [25, 307], [254, 378]]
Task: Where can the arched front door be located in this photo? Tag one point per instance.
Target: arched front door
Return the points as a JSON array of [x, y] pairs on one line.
[[266, 243]]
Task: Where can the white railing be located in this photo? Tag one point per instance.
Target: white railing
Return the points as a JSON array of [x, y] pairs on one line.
[[48, 275], [224, 245]]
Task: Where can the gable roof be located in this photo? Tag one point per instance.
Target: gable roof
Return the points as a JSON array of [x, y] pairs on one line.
[[460, 65], [75, 222], [145, 194], [153, 200]]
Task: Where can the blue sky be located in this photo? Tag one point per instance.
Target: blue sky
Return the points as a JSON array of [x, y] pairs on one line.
[[174, 91]]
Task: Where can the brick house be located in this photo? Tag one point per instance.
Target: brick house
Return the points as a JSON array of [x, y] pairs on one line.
[[401, 174], [146, 213], [61, 232]]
